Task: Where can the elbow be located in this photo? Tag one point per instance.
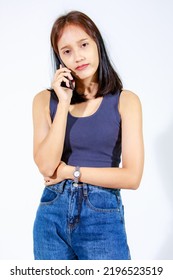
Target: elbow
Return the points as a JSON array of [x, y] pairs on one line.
[[46, 172], [135, 183], [46, 169], [134, 186], [133, 178]]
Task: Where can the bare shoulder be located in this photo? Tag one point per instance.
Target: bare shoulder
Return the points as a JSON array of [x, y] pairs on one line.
[[129, 101], [41, 106], [129, 96], [41, 98]]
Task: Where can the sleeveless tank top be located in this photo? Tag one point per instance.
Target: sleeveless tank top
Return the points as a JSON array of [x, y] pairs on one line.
[[93, 141]]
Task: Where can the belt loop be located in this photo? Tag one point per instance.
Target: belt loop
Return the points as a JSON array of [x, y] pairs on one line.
[[85, 190]]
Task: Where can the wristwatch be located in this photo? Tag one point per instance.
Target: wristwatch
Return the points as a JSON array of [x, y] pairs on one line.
[[76, 175]]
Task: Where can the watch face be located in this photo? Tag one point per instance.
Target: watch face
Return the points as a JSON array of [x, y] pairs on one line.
[[77, 173]]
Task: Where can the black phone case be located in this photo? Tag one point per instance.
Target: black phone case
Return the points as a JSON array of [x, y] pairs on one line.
[[58, 62]]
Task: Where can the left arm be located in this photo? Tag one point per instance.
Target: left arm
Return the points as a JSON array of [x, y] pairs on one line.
[[130, 174]]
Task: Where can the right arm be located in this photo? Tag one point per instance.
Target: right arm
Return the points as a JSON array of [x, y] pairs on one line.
[[49, 137]]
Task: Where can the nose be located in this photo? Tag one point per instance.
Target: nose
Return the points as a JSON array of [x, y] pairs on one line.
[[78, 56]]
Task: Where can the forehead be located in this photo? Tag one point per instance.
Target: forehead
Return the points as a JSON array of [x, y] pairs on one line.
[[71, 34]]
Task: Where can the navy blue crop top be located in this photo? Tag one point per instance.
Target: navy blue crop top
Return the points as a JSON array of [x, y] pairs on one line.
[[93, 141]]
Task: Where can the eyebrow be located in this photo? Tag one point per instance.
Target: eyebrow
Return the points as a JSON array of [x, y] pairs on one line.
[[77, 42]]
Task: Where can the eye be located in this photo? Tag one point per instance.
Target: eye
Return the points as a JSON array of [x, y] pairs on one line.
[[66, 52], [84, 45]]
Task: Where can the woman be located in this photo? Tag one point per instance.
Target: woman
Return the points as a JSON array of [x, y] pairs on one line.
[[81, 127]]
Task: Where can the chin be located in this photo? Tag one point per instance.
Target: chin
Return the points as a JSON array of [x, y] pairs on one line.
[[87, 76]]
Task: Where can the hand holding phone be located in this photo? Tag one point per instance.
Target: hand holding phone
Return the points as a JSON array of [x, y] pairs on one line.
[[60, 62], [62, 83]]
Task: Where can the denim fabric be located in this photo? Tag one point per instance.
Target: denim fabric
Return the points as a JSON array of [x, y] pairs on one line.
[[84, 223]]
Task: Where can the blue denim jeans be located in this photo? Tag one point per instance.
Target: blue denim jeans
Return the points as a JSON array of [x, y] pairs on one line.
[[80, 223]]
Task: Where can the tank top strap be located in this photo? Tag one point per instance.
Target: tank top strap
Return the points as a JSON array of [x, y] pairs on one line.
[[111, 105]]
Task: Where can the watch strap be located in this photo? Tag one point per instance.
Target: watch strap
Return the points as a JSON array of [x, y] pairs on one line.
[[76, 178]]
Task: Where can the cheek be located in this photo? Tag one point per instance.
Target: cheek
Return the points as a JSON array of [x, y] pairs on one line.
[[68, 63], [96, 56], [96, 59]]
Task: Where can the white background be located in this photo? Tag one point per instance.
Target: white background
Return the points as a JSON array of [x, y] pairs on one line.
[[139, 38]]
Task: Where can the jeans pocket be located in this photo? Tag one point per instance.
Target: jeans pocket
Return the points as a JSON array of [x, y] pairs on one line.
[[102, 200], [49, 196]]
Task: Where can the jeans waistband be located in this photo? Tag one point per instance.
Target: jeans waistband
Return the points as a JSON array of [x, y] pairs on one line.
[[59, 187]]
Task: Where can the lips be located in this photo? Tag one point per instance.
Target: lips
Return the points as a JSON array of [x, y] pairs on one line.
[[82, 67]]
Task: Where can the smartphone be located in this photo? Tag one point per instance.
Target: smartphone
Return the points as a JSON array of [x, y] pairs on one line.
[[58, 62]]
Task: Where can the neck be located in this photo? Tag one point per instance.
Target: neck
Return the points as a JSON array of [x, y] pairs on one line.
[[88, 87], [88, 90]]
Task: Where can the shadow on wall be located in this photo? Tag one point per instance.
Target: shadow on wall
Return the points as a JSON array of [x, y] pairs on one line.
[[164, 152]]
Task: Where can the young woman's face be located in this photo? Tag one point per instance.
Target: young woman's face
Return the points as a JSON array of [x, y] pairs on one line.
[[79, 52]]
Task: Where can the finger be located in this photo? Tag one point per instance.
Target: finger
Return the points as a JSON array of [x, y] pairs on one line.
[[47, 183], [47, 179], [72, 84], [62, 70], [60, 80], [63, 74]]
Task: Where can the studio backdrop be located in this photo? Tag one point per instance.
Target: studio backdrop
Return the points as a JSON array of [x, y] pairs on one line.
[[139, 38]]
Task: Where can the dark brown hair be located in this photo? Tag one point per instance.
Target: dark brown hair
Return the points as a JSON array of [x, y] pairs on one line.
[[108, 79]]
